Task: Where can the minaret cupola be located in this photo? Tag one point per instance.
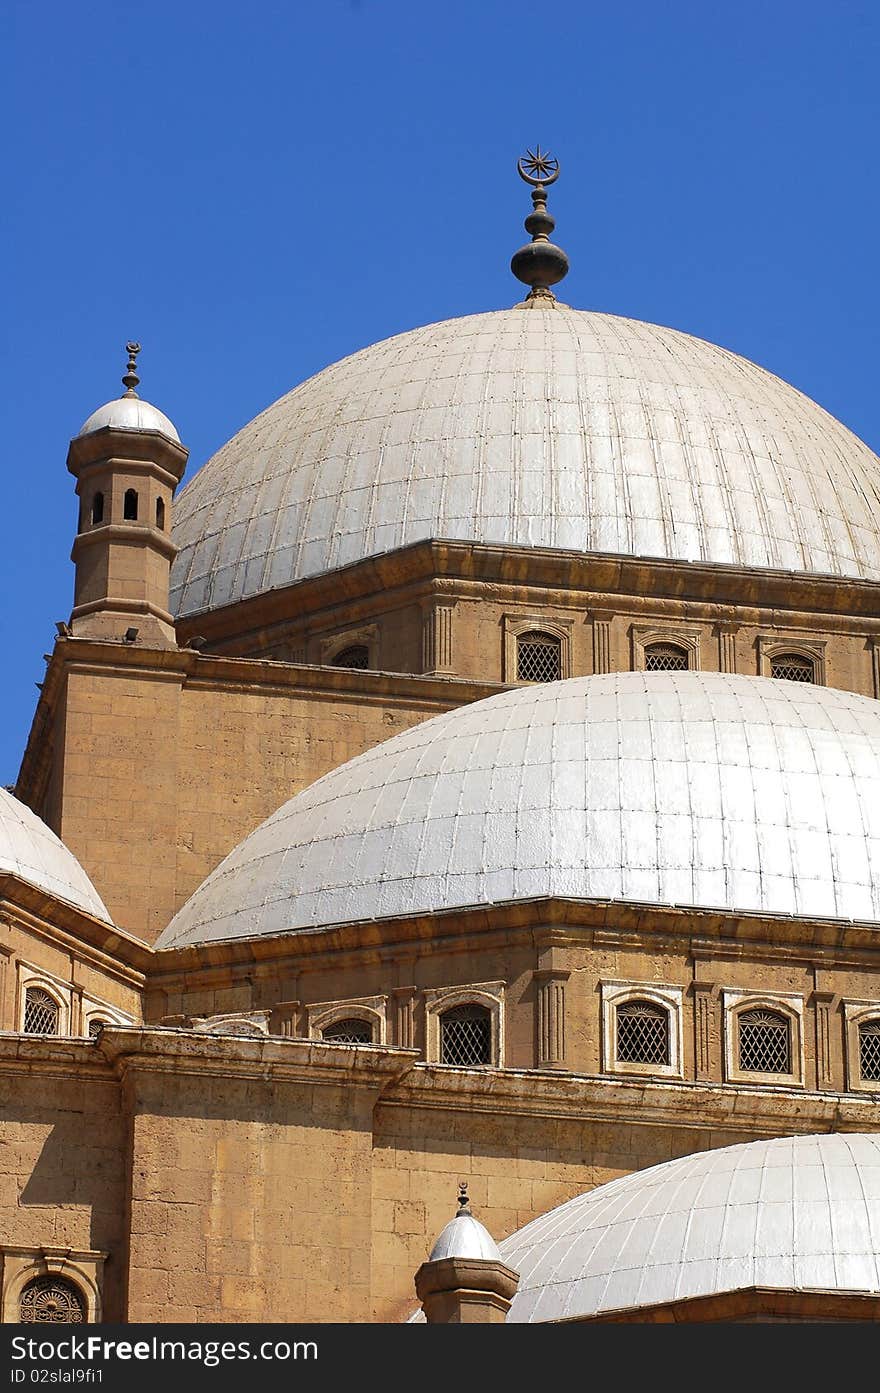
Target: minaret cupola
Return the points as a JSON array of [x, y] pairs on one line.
[[127, 460]]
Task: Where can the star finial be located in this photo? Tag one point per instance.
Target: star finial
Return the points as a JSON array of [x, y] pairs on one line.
[[131, 379], [538, 167]]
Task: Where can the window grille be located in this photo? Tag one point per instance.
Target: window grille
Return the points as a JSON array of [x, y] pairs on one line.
[[51, 1299], [96, 1025], [351, 1031], [642, 1033], [357, 656], [40, 1012], [792, 667], [869, 1050], [764, 1043], [466, 1036], [665, 657], [538, 658]]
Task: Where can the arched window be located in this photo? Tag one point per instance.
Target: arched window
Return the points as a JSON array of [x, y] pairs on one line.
[[160, 513], [352, 1031], [869, 1050], [466, 1036], [665, 657], [355, 656], [51, 1300], [642, 1033], [793, 667], [538, 657], [97, 508], [96, 1025], [41, 1012], [130, 505], [764, 1039]]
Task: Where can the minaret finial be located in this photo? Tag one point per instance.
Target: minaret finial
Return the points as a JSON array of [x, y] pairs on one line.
[[131, 379], [464, 1204], [539, 264]]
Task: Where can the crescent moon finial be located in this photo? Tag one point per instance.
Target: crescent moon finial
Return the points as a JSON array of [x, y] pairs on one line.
[[538, 167]]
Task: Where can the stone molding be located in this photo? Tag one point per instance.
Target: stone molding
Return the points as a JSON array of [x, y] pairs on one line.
[[615, 994], [440, 999], [515, 625], [365, 1008], [770, 646], [682, 636], [856, 1013], [83, 1267], [789, 1004]]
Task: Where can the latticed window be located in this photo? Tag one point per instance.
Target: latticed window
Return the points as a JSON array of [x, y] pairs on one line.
[[356, 656], [40, 1012], [96, 1025], [352, 1031], [538, 658], [466, 1036], [869, 1050], [642, 1033], [793, 667], [764, 1042], [51, 1300], [665, 657]]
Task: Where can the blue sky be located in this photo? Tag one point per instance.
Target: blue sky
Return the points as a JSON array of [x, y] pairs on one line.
[[253, 191]]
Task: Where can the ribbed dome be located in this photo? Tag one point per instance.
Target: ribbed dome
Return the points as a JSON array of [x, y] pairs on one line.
[[743, 793], [129, 413], [30, 850], [543, 427], [794, 1212]]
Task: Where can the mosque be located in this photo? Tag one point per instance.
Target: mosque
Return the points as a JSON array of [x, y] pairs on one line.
[[472, 775]]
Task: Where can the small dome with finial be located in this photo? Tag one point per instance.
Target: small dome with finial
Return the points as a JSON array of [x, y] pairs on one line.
[[464, 1236], [129, 412], [539, 264]]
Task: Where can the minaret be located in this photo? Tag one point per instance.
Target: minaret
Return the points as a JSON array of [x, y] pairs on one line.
[[539, 263], [465, 1281], [127, 461]]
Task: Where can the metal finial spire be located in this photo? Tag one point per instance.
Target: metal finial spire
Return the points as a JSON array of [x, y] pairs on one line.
[[464, 1204], [131, 379], [539, 264]]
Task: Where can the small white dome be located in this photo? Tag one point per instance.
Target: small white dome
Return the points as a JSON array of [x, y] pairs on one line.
[[691, 788], [465, 1237], [31, 850], [792, 1212], [530, 427], [129, 413]]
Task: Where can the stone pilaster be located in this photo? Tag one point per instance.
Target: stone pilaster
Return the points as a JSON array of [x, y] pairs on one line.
[[602, 642], [550, 1007], [285, 1019], [437, 637], [875, 665], [404, 1017], [825, 1003], [704, 1011], [727, 647]]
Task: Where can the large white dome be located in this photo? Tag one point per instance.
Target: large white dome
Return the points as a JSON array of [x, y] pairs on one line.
[[706, 789], [793, 1212], [544, 427], [31, 850]]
